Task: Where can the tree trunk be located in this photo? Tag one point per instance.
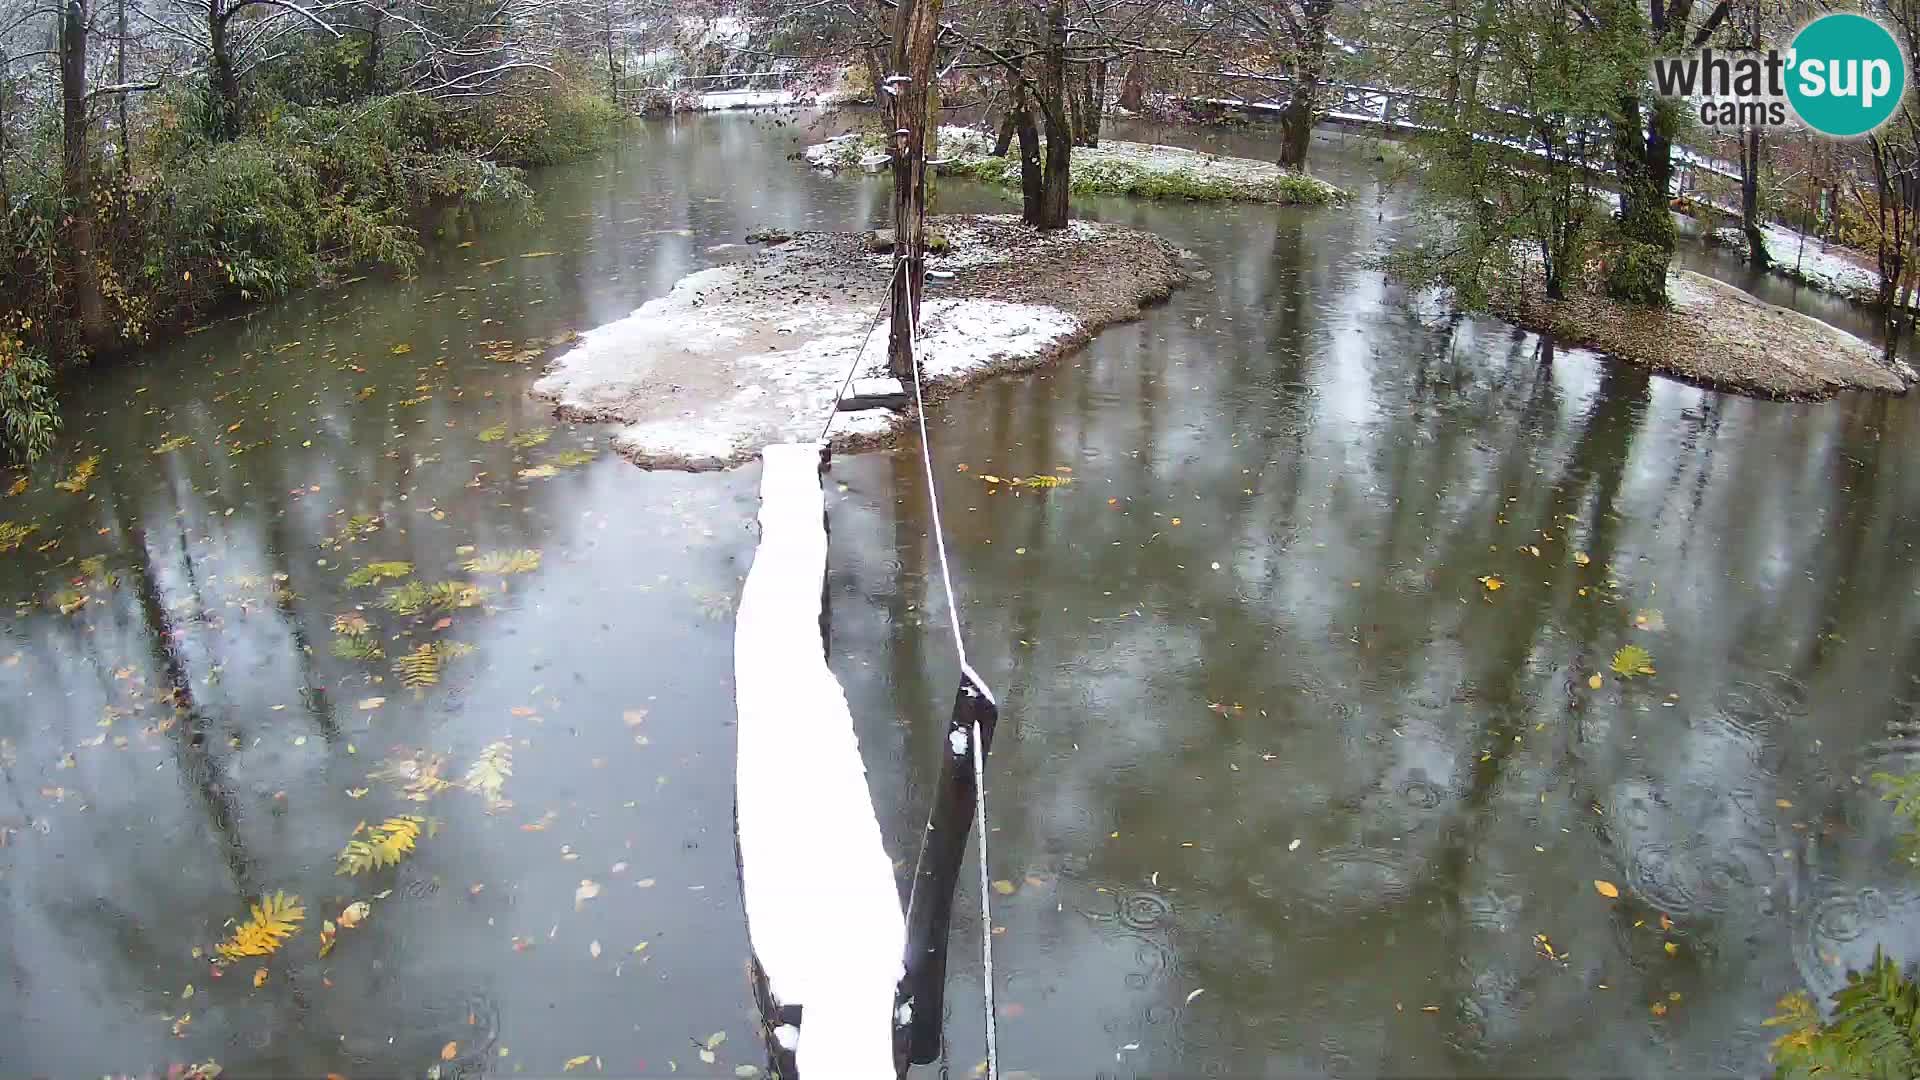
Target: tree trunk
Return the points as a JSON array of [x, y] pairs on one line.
[[120, 76], [1055, 183], [76, 178], [1032, 178], [876, 74], [1133, 87], [6, 104], [376, 50], [1077, 103], [613, 66], [1004, 140], [1309, 71], [1750, 199], [916, 25], [1096, 100], [1643, 166], [225, 82]]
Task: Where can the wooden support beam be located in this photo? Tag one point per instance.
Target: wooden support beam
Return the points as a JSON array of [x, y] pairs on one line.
[[920, 1006], [823, 912]]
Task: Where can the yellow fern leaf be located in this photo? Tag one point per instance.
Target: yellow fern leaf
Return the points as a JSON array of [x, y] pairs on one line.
[[1632, 660], [81, 477], [271, 922], [487, 776], [386, 844], [523, 561]]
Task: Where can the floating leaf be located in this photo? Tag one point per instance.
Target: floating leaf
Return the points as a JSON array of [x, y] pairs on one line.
[[1650, 620], [18, 486], [1594, 680], [1606, 888], [270, 923], [13, 534], [372, 573], [530, 438], [81, 476], [588, 890], [385, 845], [418, 774], [567, 459], [577, 1062], [168, 446], [1493, 583], [358, 648], [487, 776], [354, 914], [538, 472], [525, 560], [1632, 660], [421, 667], [415, 597], [402, 349], [351, 624], [1581, 558], [450, 1051], [493, 434], [369, 704], [1003, 887]]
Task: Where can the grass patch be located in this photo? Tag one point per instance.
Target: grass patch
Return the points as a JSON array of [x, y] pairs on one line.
[[1095, 172]]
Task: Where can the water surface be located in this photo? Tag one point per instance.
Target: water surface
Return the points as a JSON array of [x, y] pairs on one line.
[[1282, 786]]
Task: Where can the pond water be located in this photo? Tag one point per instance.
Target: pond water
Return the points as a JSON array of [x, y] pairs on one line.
[[1282, 786]]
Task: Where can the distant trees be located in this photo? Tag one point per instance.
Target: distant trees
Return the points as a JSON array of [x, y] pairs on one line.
[[158, 157]]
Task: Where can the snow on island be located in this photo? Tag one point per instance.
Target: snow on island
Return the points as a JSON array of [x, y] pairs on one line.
[[1715, 335], [1150, 170], [1830, 268], [739, 356]]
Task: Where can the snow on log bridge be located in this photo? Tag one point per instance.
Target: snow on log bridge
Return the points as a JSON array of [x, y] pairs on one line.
[[823, 913]]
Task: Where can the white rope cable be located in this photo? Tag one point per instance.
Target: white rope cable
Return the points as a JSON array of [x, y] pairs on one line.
[[833, 410], [959, 647]]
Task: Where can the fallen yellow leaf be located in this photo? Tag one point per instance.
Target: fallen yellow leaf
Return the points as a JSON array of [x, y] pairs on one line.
[[1672, 949], [1595, 680], [576, 1062], [449, 1051], [1004, 888], [1606, 888]]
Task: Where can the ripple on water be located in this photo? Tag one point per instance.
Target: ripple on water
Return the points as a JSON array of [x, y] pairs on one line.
[[1420, 793], [1354, 879], [1839, 930], [1700, 878], [1143, 910], [1753, 708]]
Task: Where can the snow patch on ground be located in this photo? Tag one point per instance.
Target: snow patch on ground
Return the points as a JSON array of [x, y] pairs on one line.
[[812, 861], [1253, 179], [743, 99], [702, 384]]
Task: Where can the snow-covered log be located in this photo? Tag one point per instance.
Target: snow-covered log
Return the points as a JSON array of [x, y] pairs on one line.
[[823, 913]]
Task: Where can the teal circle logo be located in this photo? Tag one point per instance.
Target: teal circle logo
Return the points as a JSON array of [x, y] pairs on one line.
[[1846, 75]]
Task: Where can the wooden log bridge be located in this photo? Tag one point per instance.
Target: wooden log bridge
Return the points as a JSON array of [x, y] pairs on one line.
[[823, 912], [847, 988]]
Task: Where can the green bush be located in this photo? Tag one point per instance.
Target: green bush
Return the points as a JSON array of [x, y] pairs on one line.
[[1874, 1033], [29, 415]]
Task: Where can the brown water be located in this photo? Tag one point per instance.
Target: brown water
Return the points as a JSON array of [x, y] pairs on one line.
[[1282, 787]]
